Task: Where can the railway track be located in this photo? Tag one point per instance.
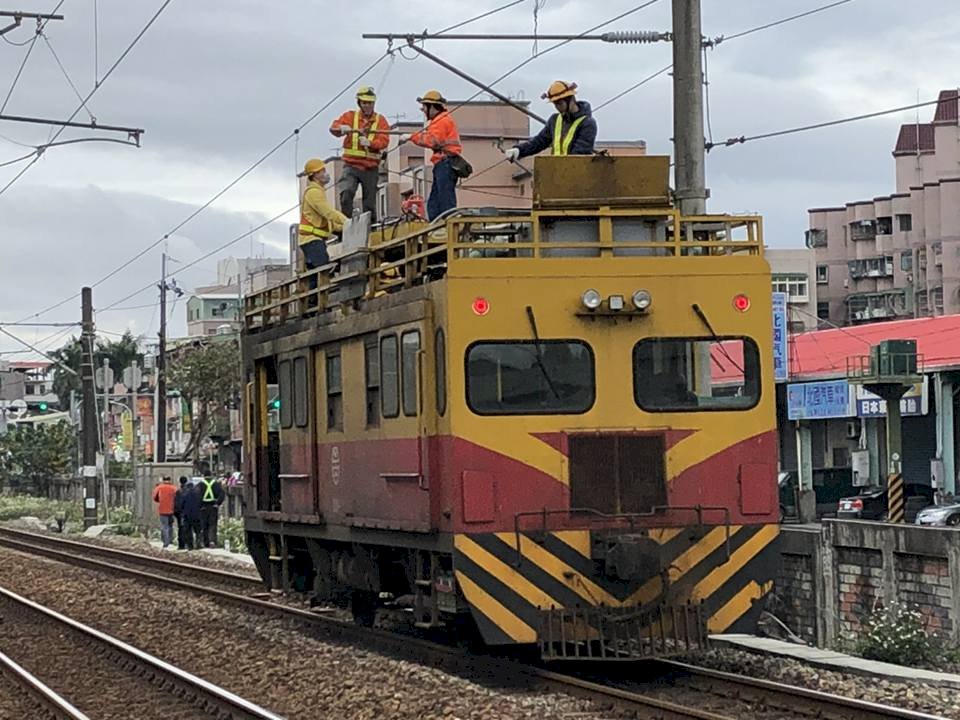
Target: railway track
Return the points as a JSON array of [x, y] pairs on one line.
[[106, 674], [706, 694], [34, 697]]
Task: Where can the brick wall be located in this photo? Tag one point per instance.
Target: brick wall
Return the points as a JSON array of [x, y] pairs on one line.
[[794, 591], [832, 577], [859, 586], [925, 582]]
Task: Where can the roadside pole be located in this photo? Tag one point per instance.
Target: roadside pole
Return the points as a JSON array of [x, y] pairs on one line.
[[89, 411]]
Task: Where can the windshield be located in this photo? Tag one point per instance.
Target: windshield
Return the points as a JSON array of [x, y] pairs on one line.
[[520, 378], [696, 374]]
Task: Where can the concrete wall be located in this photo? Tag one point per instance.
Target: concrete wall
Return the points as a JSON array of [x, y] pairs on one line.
[[832, 578]]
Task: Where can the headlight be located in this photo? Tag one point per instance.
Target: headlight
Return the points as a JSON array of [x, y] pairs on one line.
[[642, 300], [591, 299]]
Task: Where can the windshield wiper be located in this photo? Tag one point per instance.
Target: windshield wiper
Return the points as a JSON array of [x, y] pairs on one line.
[[536, 336], [713, 333]]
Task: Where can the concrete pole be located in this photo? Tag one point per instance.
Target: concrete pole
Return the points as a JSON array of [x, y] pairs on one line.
[[689, 143], [160, 447], [945, 429], [89, 410], [806, 497], [895, 496]]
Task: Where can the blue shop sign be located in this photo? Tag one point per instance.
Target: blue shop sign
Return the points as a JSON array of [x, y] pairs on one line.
[[819, 400], [781, 360]]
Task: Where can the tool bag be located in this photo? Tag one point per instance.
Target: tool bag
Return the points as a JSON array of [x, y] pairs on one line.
[[461, 168]]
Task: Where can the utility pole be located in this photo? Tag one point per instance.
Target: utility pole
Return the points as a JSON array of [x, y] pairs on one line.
[[89, 411], [160, 449], [689, 143]]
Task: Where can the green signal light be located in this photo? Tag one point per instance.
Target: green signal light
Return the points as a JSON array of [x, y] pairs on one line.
[[275, 405], [43, 407]]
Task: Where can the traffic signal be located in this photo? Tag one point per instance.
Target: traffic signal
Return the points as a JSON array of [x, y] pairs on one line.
[[43, 407], [275, 404]]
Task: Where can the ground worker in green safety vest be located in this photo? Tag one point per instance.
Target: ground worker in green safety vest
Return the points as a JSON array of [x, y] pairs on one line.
[[570, 131], [211, 498]]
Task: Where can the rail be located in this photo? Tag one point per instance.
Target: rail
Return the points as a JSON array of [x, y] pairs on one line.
[[808, 702], [56, 706], [409, 254], [229, 704]]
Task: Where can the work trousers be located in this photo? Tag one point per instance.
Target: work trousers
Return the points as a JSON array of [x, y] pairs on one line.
[[166, 529], [192, 533], [367, 180], [443, 193], [208, 520], [181, 532]]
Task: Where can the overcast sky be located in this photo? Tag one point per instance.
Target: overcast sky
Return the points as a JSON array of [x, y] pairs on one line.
[[217, 83]]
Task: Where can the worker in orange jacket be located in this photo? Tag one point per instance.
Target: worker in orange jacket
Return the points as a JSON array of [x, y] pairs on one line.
[[364, 134], [164, 495], [439, 134]]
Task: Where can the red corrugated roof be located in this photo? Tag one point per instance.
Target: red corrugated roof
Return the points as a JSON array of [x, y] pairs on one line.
[[907, 140], [947, 107], [824, 353]]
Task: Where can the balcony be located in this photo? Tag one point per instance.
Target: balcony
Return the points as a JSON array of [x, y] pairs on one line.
[[868, 307], [877, 267], [816, 238], [863, 230]]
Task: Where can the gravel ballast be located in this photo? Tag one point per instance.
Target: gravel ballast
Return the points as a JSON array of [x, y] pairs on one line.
[[266, 660], [912, 696]]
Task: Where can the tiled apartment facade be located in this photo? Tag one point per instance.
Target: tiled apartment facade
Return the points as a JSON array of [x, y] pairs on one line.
[[897, 256]]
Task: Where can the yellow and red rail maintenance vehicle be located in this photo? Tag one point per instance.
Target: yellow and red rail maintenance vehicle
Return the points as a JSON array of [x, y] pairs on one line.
[[555, 424]]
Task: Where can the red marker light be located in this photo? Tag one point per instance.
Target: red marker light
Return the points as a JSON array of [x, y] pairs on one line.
[[481, 306], [741, 303]]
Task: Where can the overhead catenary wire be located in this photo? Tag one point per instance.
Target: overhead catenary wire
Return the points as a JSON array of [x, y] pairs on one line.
[[818, 126], [205, 256], [90, 94], [721, 39], [263, 158], [273, 150], [63, 70]]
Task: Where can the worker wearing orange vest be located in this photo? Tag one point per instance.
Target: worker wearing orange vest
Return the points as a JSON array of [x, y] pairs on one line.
[[439, 134], [318, 220], [364, 140], [570, 131]]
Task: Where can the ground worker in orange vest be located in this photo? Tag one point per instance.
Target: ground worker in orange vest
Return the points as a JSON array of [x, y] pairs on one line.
[[569, 131], [364, 140], [318, 219], [440, 134]]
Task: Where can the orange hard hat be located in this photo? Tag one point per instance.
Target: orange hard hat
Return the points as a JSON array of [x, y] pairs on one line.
[[558, 90]]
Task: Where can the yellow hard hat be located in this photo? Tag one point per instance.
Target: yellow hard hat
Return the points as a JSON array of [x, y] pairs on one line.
[[432, 97], [558, 90], [366, 94], [312, 166]]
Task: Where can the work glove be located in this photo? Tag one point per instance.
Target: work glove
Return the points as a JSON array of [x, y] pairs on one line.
[[405, 137], [364, 142], [513, 154], [344, 129]]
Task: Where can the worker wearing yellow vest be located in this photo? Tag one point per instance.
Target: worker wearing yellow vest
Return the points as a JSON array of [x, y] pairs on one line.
[[318, 219], [570, 131], [364, 134]]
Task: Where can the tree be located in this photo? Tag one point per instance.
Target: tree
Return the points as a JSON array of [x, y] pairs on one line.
[[120, 353], [35, 454], [207, 375]]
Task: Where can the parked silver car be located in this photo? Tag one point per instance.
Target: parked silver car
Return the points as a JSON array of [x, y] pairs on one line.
[[940, 515]]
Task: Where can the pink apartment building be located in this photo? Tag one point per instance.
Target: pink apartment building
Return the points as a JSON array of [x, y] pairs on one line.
[[897, 256]]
